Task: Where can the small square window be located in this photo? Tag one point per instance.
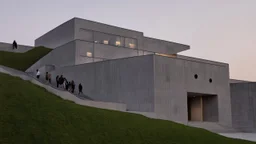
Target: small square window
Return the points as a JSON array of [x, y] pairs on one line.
[[131, 45], [89, 54], [105, 42], [118, 43]]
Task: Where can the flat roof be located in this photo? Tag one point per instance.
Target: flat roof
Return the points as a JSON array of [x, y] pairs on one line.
[[106, 24]]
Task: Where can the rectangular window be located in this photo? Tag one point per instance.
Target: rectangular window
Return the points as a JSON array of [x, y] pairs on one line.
[[89, 54], [116, 40], [105, 41], [130, 43], [101, 38], [86, 35], [118, 43], [108, 39]]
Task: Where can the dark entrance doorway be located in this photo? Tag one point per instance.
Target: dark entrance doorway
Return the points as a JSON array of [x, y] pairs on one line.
[[202, 107]]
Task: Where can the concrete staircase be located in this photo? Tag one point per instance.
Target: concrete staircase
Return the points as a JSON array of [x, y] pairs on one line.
[[53, 85], [212, 126], [81, 99]]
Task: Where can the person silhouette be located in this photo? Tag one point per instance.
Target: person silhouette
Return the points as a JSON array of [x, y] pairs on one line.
[[80, 88], [14, 45]]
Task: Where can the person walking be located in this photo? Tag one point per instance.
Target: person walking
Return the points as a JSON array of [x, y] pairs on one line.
[[65, 84], [46, 76], [37, 74], [49, 78], [73, 86], [69, 86], [14, 45], [80, 88], [57, 80], [61, 80]]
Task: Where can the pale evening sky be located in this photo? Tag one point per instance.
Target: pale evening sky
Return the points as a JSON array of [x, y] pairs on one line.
[[219, 30]]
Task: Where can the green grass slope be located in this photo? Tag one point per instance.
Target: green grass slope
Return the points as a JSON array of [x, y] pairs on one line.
[[31, 115], [22, 61]]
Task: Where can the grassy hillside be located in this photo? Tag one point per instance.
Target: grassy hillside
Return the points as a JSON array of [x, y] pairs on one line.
[[22, 61], [31, 115]]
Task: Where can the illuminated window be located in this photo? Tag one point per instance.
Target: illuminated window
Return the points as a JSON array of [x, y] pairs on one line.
[[105, 42], [108, 39], [131, 45], [118, 43], [89, 54]]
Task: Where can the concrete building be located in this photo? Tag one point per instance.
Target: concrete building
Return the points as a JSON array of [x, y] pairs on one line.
[[148, 75]]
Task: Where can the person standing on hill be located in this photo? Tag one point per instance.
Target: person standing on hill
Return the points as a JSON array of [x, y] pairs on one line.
[[14, 45]]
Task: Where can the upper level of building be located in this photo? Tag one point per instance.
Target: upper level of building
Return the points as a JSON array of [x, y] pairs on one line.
[[95, 32]]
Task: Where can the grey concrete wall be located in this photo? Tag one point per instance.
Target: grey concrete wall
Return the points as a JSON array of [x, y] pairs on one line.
[[210, 109], [58, 36], [112, 52], [128, 80], [243, 98], [163, 47], [105, 28], [63, 94], [61, 56], [82, 47], [175, 77], [8, 47]]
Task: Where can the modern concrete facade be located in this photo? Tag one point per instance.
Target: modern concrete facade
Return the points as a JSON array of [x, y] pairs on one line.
[[156, 84], [92, 41], [148, 75], [243, 100]]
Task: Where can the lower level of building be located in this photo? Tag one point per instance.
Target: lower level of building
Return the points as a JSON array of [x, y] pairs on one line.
[[180, 90]]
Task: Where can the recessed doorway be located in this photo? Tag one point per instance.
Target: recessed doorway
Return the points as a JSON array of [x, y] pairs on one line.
[[202, 107]]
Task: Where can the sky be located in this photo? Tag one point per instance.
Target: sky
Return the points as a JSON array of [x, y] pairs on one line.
[[219, 30]]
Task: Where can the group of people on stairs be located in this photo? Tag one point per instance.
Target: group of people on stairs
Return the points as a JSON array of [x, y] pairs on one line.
[[61, 81]]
